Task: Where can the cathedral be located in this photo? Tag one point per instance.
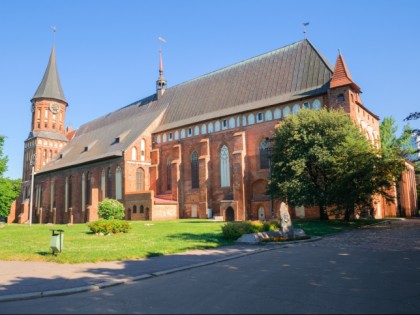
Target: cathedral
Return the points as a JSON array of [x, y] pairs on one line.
[[199, 149]]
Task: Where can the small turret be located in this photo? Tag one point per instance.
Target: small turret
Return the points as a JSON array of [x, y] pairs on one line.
[[160, 82]]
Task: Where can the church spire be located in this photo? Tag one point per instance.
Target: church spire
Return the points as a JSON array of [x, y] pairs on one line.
[[161, 82], [341, 75], [50, 86]]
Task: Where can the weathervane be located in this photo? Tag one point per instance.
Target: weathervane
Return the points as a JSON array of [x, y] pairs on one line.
[[161, 40], [304, 29], [54, 29]]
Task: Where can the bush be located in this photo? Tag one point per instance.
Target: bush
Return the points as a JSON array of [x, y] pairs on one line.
[[109, 226], [234, 230], [110, 209]]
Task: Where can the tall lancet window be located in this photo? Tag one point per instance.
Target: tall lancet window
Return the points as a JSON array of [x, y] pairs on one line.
[[83, 192], [264, 148], [70, 191], [168, 174], [142, 150], [89, 188], [109, 184], [134, 153], [140, 179], [103, 185], [118, 183], [224, 167], [194, 170]]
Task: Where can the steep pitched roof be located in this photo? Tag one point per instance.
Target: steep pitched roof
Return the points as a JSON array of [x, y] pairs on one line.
[[341, 76], [292, 72], [97, 139], [50, 86]]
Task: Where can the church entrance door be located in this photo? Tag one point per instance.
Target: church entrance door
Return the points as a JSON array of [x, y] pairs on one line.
[[261, 214], [230, 214]]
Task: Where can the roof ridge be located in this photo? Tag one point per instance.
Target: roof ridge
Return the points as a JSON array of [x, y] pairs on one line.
[[232, 66]]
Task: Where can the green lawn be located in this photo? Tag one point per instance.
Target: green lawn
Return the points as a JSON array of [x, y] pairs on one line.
[[145, 239]]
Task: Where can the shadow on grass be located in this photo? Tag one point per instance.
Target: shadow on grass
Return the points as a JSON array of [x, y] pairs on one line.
[[153, 254], [216, 238]]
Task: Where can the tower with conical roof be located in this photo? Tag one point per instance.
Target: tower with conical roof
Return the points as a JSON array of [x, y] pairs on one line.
[[47, 135], [344, 92]]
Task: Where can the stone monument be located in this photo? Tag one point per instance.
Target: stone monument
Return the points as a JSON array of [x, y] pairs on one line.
[[286, 226]]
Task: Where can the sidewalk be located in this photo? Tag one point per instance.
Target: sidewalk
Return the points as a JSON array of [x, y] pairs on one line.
[[26, 280]]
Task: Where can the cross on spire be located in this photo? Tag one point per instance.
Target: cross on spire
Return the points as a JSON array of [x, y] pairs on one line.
[[304, 29]]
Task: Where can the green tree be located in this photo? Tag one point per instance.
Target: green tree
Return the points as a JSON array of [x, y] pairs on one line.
[[393, 145], [3, 159], [110, 209], [364, 174], [416, 132], [321, 159], [9, 191]]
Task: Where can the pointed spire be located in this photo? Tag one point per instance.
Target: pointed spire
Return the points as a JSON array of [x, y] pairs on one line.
[[50, 86], [161, 82], [341, 75], [160, 63]]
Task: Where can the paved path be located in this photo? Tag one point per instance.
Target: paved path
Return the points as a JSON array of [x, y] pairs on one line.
[[20, 279]]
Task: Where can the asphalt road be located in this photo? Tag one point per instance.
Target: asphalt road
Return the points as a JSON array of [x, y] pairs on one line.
[[370, 271]]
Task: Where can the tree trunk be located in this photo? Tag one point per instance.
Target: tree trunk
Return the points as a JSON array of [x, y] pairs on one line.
[[322, 212], [347, 215]]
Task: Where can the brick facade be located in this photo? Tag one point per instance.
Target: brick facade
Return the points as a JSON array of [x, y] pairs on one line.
[[152, 174]]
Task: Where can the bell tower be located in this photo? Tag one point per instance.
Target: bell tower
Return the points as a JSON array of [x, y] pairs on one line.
[[47, 134]]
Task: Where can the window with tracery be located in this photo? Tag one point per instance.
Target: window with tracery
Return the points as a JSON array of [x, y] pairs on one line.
[[195, 178], [140, 179], [224, 167]]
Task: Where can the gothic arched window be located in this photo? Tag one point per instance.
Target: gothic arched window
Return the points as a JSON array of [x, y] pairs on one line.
[[195, 178], [134, 153], [109, 184], [168, 174], [142, 150], [264, 154], [224, 167], [140, 179], [118, 183], [70, 191], [89, 188]]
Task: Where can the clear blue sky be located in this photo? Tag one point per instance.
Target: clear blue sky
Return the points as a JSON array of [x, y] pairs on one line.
[[107, 51]]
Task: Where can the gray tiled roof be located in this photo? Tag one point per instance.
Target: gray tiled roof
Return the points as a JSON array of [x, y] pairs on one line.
[[99, 135], [294, 71], [50, 86], [47, 135]]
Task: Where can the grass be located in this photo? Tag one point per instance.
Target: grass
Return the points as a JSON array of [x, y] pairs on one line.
[[145, 239]]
